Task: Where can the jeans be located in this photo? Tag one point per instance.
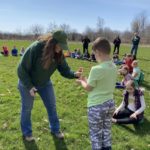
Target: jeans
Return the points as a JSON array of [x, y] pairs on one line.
[[134, 50], [48, 98]]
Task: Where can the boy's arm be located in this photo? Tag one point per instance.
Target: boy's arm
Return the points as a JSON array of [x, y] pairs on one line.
[[84, 84]]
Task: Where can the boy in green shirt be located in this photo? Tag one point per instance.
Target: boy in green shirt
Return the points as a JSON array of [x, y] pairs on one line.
[[100, 86]]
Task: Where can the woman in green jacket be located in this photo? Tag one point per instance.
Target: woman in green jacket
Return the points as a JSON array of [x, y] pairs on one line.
[[39, 62]]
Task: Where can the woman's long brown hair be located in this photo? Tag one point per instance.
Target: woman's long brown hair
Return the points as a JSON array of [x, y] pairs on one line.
[[49, 53]]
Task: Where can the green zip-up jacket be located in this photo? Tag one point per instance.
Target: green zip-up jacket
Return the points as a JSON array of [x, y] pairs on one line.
[[31, 72]]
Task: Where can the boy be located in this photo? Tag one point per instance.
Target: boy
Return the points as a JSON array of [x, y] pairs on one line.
[[100, 86]]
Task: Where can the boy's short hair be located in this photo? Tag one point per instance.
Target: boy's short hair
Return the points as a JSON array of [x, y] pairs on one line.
[[101, 45], [129, 55]]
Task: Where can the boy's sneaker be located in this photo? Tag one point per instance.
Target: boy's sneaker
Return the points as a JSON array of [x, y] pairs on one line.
[[29, 138], [58, 135]]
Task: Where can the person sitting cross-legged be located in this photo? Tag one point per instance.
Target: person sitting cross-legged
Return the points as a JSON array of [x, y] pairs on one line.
[[131, 110]]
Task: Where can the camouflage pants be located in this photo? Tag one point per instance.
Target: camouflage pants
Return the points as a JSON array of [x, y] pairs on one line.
[[100, 124]]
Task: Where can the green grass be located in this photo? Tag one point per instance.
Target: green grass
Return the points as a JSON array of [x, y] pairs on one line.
[[71, 107]]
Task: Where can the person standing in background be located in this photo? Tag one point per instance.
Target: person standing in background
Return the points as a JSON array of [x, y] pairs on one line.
[[85, 42], [135, 43], [117, 42]]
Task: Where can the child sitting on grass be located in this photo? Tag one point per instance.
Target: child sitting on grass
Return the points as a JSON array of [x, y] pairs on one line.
[[14, 51], [128, 61], [116, 59], [100, 86], [5, 51], [78, 54], [124, 71], [136, 72], [131, 109], [22, 51], [92, 57]]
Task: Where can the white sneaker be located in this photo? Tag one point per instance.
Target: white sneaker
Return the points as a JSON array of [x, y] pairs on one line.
[[58, 135], [29, 138]]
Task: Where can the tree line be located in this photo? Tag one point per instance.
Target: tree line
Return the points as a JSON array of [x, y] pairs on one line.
[[140, 24]]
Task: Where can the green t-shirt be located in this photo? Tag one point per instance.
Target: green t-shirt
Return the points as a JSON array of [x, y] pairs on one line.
[[102, 78]]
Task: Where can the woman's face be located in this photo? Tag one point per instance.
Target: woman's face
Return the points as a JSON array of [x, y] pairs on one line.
[[58, 49]]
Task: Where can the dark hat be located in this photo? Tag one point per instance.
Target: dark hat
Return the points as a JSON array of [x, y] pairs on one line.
[[61, 37]]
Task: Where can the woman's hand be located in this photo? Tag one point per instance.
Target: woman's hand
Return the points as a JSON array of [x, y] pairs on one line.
[[133, 116], [33, 91], [79, 72]]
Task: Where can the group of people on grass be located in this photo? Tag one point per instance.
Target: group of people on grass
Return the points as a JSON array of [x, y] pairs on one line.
[[43, 57], [14, 51]]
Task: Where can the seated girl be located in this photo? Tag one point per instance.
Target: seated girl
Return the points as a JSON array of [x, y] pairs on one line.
[[5, 51], [136, 72], [124, 71], [22, 51], [131, 110]]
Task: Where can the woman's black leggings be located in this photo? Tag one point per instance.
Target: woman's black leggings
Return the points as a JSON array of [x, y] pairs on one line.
[[123, 117]]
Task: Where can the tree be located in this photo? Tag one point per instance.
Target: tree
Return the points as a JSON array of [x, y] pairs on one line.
[[100, 26], [52, 27], [139, 23], [37, 30], [90, 33], [65, 27]]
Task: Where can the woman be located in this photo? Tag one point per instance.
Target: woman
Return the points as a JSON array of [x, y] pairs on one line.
[[39, 62]]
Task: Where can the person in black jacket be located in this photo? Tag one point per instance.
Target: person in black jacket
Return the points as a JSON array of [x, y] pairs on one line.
[[85, 42], [117, 42]]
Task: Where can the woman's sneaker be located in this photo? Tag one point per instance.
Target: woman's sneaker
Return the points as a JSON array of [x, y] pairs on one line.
[[58, 135], [29, 138]]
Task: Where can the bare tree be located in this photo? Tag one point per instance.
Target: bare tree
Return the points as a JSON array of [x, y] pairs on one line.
[[90, 33], [37, 30], [100, 26], [146, 38], [52, 27], [65, 27], [126, 36], [139, 23]]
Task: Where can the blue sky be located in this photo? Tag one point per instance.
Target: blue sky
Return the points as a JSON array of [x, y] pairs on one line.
[[20, 15]]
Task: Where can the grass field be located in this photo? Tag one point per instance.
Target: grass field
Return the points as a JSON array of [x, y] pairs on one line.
[[71, 107]]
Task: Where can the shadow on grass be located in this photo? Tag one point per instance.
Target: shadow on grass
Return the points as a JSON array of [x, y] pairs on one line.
[[146, 85], [140, 129], [59, 144], [143, 59], [30, 145]]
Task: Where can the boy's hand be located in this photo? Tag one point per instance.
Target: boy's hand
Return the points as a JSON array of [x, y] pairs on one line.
[[81, 79], [133, 116], [33, 91]]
